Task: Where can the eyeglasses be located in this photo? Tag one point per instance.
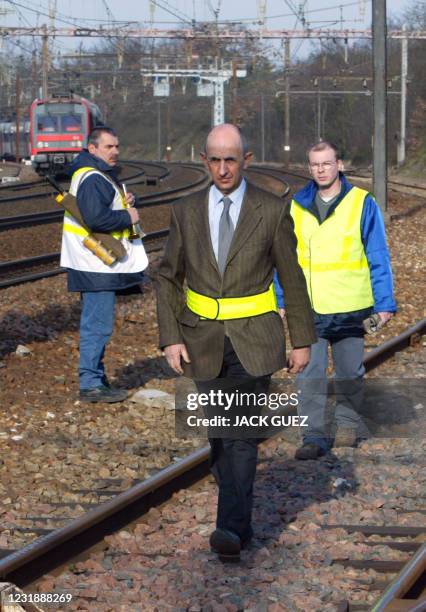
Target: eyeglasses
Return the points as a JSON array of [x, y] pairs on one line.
[[325, 165]]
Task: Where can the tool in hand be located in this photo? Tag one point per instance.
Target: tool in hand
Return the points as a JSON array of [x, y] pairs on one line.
[[373, 323], [136, 230]]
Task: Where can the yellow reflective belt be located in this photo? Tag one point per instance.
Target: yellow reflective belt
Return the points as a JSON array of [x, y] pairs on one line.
[[222, 309]]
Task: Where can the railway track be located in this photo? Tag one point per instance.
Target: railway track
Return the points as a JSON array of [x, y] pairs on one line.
[[158, 173], [34, 268], [56, 545], [55, 216]]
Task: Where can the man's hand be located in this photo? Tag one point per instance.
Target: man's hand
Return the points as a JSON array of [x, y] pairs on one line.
[[385, 316], [174, 353], [134, 214], [298, 359], [130, 199], [281, 312]]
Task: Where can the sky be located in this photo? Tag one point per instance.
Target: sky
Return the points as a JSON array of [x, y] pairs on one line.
[[285, 14]]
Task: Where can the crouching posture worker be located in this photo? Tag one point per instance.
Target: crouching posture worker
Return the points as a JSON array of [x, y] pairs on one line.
[[226, 242], [342, 250], [103, 208]]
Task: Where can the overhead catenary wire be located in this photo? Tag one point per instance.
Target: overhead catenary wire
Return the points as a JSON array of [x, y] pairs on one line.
[[69, 19], [165, 6]]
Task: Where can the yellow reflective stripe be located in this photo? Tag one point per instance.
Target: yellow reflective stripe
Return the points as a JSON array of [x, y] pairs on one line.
[[80, 231], [82, 170], [355, 200], [335, 265], [231, 308], [297, 214], [346, 265], [75, 229]]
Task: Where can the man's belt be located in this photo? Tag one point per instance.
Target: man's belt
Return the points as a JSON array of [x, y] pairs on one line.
[[221, 309]]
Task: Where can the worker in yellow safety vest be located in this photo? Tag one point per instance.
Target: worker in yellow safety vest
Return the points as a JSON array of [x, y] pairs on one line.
[[107, 209], [341, 247]]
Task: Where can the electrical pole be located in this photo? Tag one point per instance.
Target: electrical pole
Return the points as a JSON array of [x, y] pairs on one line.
[[319, 115], [287, 101], [45, 63], [380, 103], [404, 71], [159, 130], [234, 82], [33, 75], [17, 115], [262, 126]]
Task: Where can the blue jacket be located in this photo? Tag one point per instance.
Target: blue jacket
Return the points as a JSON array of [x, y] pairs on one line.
[[94, 197], [374, 240]]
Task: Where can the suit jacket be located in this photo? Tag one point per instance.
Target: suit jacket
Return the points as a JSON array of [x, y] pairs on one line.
[[263, 240]]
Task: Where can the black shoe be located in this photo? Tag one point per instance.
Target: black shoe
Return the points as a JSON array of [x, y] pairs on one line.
[[309, 450], [227, 544], [103, 394]]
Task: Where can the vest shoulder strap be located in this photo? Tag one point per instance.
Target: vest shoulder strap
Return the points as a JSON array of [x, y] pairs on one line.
[[86, 170]]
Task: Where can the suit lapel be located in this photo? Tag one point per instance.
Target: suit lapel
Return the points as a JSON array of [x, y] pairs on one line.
[[201, 226], [250, 216]]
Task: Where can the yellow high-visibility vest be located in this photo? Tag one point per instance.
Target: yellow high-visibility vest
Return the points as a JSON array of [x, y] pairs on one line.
[[332, 256], [71, 225]]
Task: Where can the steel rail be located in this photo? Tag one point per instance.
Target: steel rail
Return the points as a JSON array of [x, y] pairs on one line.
[[53, 257], [133, 164], [55, 216], [274, 173], [407, 591], [43, 554], [383, 352]]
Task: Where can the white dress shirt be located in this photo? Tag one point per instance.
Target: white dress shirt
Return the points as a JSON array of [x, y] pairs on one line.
[[216, 209]]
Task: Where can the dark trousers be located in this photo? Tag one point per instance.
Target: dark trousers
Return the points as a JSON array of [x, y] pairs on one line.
[[233, 459]]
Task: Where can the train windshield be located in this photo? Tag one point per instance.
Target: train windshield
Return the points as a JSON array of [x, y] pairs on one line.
[[60, 118]]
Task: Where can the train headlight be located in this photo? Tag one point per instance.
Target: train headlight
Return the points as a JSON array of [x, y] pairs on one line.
[[42, 144], [78, 143]]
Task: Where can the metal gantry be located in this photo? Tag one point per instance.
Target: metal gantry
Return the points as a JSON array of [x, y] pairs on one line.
[[217, 76], [203, 33]]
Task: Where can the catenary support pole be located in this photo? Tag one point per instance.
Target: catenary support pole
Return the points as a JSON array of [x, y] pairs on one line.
[[404, 71], [287, 101], [380, 106]]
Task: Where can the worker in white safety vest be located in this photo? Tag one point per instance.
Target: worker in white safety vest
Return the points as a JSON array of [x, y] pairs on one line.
[[105, 208]]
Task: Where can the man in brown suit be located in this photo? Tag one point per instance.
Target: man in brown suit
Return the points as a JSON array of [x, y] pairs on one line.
[[225, 243]]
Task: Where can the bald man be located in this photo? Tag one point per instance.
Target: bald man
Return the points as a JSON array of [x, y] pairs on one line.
[[225, 243]]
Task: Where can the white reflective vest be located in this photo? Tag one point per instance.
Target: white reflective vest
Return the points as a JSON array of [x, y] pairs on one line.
[[76, 256]]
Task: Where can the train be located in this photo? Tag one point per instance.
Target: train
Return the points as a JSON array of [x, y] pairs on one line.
[[55, 132], [8, 140], [59, 127]]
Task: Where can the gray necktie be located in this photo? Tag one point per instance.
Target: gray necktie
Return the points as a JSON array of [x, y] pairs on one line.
[[226, 231]]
